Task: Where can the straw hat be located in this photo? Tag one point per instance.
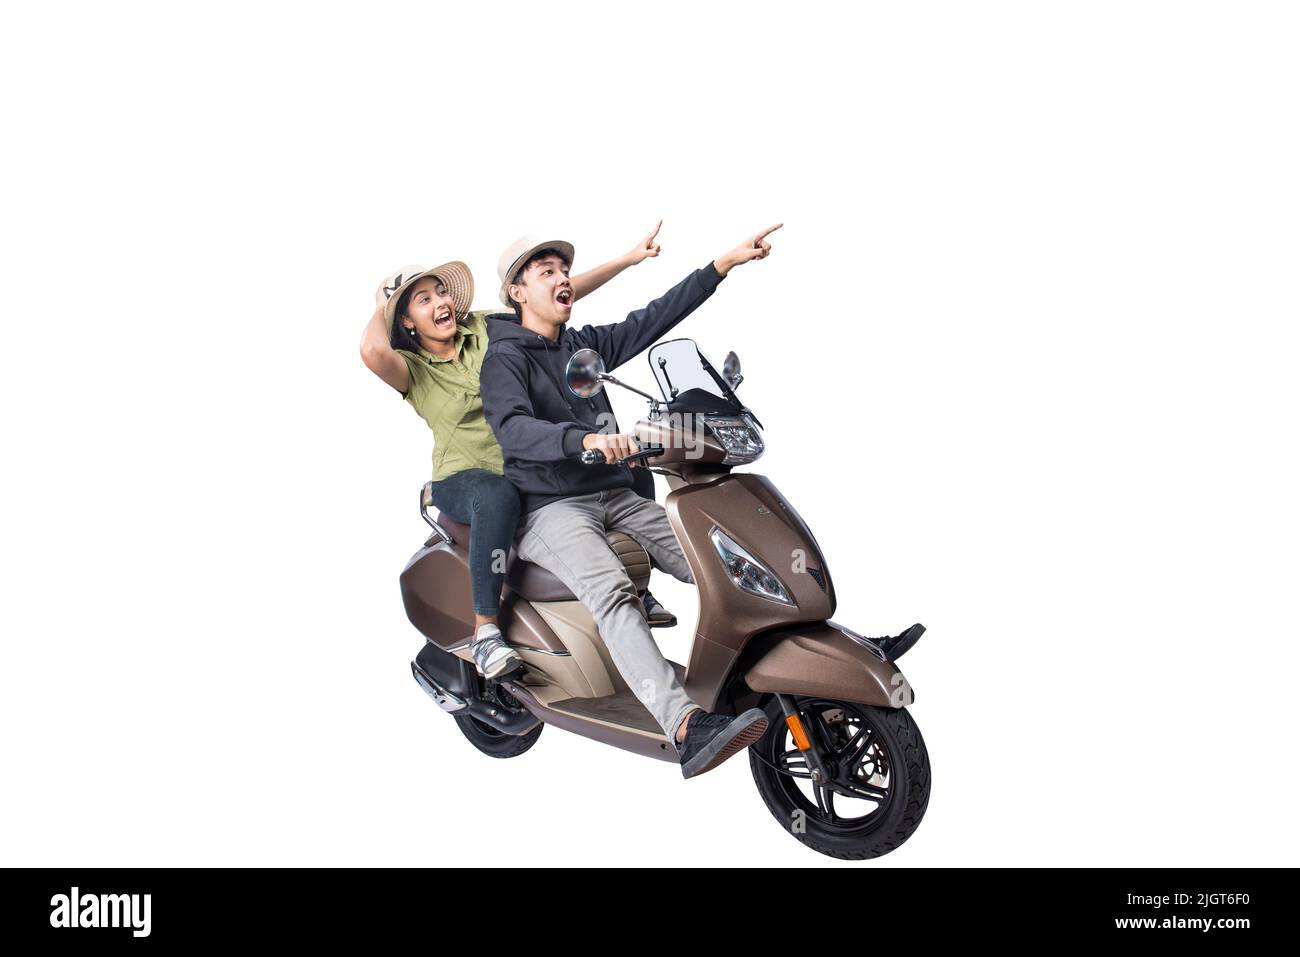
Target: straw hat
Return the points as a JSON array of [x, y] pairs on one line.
[[454, 275]]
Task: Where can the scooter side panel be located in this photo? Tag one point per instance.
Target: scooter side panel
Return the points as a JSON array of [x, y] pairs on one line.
[[525, 628], [821, 660], [752, 512]]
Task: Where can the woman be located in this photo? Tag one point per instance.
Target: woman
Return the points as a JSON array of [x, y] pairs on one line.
[[424, 342]]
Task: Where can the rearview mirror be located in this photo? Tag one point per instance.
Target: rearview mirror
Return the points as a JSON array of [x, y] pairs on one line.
[[731, 370], [583, 373]]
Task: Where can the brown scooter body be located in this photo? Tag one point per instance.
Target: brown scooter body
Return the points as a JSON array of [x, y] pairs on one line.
[[745, 645], [749, 650]]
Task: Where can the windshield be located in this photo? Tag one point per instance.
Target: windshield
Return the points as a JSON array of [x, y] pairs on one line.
[[685, 376]]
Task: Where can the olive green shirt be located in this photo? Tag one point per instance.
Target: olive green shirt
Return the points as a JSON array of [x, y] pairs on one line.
[[445, 393]]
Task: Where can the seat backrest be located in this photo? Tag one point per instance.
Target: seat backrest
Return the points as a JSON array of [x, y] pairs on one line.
[[633, 556]]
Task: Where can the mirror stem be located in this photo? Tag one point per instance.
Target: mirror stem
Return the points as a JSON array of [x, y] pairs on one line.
[[606, 377]]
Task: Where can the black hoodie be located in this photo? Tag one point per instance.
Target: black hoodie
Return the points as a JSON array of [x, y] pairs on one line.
[[540, 423]]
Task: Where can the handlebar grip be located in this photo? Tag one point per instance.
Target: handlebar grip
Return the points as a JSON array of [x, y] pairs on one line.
[[592, 457]]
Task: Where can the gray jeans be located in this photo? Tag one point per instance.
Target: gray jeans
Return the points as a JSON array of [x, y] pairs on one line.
[[567, 538]]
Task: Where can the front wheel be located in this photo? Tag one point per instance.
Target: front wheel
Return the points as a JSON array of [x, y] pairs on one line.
[[877, 781]]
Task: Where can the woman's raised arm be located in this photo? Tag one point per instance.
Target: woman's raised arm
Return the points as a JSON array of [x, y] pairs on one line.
[[378, 353]]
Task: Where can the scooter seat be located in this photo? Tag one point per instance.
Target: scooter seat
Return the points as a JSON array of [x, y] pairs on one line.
[[535, 583], [459, 533]]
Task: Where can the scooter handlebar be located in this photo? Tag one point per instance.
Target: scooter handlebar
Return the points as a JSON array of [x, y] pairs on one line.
[[597, 457]]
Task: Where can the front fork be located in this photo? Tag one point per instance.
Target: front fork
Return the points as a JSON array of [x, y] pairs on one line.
[[816, 770]]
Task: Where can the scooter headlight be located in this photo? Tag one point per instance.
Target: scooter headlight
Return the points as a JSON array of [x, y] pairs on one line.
[[747, 572], [738, 435]]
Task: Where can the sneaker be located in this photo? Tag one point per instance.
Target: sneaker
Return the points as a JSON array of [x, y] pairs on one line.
[[712, 738], [656, 615], [492, 656]]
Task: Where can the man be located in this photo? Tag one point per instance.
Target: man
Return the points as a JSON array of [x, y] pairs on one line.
[[568, 507]]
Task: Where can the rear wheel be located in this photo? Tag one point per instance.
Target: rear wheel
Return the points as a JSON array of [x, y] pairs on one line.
[[877, 782], [488, 739]]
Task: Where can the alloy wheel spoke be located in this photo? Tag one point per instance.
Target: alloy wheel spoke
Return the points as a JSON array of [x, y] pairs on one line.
[[868, 792], [830, 803], [820, 794], [854, 757], [844, 748]]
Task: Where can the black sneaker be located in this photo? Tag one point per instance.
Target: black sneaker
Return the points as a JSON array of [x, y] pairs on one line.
[[656, 615], [712, 738]]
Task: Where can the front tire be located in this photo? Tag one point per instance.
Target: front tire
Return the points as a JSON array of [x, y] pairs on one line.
[[877, 754]]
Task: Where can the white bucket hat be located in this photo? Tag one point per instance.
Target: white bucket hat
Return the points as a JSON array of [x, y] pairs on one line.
[[519, 252]]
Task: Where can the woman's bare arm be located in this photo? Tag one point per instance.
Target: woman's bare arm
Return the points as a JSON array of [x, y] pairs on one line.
[[378, 354]]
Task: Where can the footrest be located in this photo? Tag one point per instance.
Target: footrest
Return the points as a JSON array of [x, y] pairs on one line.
[[894, 648], [621, 709]]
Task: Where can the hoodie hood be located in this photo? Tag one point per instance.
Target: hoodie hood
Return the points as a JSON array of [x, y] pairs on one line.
[[507, 326]]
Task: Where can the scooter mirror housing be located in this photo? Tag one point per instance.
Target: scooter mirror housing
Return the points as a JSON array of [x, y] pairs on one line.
[[731, 370], [584, 372]]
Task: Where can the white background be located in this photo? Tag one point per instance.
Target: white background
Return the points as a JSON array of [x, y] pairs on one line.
[[1025, 351]]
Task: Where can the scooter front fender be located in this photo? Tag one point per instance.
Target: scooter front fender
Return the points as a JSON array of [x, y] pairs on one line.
[[826, 660]]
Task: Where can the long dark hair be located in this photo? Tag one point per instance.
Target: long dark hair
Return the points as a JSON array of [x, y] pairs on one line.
[[399, 337]]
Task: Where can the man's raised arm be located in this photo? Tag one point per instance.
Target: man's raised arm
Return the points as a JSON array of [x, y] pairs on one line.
[[621, 341]]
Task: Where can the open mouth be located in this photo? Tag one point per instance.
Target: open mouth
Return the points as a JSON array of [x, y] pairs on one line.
[[444, 321], [564, 297]]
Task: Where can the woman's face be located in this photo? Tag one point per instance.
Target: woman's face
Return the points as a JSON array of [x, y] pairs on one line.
[[430, 312]]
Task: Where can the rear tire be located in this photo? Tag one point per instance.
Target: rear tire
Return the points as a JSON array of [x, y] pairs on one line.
[[488, 739], [876, 752]]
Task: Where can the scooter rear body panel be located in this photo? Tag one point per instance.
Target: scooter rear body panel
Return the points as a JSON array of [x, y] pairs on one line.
[[436, 593]]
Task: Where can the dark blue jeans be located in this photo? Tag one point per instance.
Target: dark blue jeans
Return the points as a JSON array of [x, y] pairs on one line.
[[489, 505]]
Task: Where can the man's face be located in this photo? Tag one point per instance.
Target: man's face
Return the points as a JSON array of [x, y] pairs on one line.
[[430, 311], [545, 290]]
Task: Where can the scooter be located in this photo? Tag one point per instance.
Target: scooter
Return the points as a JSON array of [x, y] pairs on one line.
[[842, 766]]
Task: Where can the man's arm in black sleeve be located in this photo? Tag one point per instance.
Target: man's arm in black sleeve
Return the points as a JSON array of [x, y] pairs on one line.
[[509, 410], [621, 341]]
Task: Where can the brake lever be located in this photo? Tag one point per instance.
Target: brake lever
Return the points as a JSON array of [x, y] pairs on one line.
[[649, 452]]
